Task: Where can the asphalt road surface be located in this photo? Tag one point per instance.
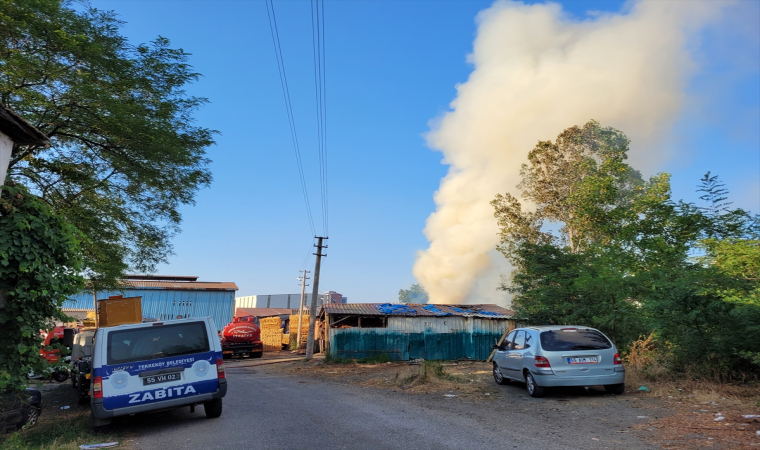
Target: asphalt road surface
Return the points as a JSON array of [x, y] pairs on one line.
[[264, 410]]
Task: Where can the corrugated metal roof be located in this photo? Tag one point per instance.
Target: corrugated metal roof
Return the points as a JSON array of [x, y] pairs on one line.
[[369, 309], [161, 277], [182, 285]]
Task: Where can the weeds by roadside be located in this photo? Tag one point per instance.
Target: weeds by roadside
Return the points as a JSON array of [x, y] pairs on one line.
[[329, 359], [376, 359], [63, 433]]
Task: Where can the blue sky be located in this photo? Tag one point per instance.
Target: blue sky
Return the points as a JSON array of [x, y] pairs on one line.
[[392, 67]]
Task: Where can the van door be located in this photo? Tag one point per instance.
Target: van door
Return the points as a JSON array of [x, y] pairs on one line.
[[157, 362]]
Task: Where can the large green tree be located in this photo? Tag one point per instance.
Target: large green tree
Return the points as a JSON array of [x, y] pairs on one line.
[[629, 260], [124, 155]]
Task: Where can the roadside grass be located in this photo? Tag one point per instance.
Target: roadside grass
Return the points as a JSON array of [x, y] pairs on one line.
[[436, 376], [329, 359], [707, 408], [63, 433], [376, 359], [648, 366]]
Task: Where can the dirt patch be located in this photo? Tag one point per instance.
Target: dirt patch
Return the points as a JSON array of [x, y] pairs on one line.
[[470, 379], [708, 415], [673, 415]]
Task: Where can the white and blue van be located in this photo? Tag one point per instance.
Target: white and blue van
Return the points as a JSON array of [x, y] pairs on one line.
[[156, 366]]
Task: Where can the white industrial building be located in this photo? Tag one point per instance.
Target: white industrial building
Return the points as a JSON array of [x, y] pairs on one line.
[[289, 301]]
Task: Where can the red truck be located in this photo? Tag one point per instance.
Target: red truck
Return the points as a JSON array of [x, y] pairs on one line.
[[242, 336]]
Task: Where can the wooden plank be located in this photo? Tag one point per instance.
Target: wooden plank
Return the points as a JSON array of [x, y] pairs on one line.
[[503, 336]]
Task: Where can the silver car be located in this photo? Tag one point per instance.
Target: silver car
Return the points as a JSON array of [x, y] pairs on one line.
[[558, 356]]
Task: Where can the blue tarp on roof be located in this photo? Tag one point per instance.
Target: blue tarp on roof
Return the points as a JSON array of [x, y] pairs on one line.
[[390, 308], [436, 311], [473, 311]]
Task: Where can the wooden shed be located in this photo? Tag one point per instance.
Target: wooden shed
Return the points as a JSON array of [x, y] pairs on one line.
[[413, 331]]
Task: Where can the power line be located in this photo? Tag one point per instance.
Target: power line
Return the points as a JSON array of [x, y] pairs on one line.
[[320, 92], [308, 256], [288, 107]]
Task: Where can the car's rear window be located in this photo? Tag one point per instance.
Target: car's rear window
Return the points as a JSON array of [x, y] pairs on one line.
[[574, 339], [154, 342]]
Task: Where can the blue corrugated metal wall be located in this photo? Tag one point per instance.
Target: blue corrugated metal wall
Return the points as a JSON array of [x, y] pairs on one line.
[[165, 304], [430, 338]]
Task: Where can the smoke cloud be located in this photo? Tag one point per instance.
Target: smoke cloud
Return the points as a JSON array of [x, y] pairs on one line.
[[536, 72]]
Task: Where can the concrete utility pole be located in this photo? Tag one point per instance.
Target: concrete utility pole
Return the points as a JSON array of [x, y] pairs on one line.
[[314, 294], [300, 308]]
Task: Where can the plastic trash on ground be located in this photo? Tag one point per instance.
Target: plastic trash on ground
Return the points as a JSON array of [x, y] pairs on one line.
[[93, 446], [644, 389]]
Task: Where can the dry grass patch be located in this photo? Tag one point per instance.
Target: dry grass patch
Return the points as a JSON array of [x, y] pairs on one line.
[[709, 413], [431, 377], [461, 378]]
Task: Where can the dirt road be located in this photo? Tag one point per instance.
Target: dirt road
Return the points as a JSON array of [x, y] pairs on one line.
[[269, 408]]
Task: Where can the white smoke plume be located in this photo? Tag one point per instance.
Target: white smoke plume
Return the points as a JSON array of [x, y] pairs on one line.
[[536, 72]]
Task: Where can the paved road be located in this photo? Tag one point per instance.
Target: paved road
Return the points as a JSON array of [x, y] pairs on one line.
[[267, 411]]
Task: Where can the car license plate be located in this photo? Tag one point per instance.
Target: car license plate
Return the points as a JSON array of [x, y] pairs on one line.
[[583, 360], [164, 378]]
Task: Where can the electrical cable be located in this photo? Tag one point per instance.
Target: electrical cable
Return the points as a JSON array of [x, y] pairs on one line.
[[320, 91], [308, 255], [288, 107]]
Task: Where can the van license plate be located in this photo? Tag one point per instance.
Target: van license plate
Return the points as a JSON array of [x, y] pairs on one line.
[[162, 378], [583, 360]]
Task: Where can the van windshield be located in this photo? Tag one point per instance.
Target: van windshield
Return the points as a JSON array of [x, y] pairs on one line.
[[154, 342], [574, 339]]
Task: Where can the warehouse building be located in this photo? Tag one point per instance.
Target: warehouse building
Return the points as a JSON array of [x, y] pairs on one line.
[[288, 301], [413, 331], [166, 297]]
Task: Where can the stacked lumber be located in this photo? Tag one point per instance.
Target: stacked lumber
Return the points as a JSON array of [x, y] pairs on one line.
[[294, 329], [271, 334]]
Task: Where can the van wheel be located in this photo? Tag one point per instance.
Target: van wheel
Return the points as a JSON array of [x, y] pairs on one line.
[[213, 408], [533, 389], [616, 389]]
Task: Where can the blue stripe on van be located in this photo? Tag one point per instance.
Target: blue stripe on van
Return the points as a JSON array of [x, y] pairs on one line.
[[158, 393]]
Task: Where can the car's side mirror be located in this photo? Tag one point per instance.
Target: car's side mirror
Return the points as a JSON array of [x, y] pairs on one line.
[[495, 347]]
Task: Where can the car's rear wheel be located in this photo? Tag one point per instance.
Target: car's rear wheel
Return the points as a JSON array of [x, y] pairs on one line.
[[498, 377], [30, 418], [616, 389], [213, 408], [533, 389]]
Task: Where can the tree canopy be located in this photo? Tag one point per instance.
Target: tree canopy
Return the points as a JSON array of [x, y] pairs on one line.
[[629, 260], [124, 154], [415, 294]]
